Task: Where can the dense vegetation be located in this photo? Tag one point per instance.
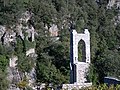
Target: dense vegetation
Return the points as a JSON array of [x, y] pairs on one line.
[[53, 56]]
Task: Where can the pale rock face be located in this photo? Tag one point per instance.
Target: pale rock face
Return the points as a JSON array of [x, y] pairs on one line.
[[30, 30], [111, 3], [53, 30], [25, 16], [13, 74], [10, 75], [13, 60], [2, 30], [19, 30], [30, 51], [9, 36], [32, 76]]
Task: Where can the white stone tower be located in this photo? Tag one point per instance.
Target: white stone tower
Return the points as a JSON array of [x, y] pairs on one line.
[[78, 69]]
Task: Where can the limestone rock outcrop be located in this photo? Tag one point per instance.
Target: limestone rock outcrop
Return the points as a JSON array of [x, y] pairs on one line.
[[8, 37]]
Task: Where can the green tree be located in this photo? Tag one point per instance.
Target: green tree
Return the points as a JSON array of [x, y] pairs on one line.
[[3, 80], [3, 63]]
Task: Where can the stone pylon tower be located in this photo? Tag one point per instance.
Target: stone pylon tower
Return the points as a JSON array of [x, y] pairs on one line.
[[78, 69]]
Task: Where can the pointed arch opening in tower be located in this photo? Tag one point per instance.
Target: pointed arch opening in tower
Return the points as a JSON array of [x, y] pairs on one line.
[[81, 51]]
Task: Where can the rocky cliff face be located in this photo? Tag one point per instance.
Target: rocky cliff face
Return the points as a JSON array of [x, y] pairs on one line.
[[8, 38], [8, 34], [112, 3], [116, 4], [25, 30]]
